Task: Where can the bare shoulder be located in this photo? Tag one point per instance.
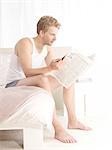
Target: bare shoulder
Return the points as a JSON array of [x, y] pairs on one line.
[[23, 45]]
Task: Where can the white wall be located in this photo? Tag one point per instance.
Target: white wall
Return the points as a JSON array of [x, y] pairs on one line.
[[18, 18], [91, 31], [86, 26]]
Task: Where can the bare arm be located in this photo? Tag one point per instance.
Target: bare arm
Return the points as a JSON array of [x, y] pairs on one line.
[[50, 59], [50, 56], [24, 52]]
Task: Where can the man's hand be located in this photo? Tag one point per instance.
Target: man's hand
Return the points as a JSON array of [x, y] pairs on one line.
[[56, 64]]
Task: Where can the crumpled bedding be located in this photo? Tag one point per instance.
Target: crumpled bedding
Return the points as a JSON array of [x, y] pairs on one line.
[[26, 105]]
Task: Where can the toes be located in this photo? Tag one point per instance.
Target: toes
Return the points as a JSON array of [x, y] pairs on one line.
[[70, 139], [78, 125], [66, 138]]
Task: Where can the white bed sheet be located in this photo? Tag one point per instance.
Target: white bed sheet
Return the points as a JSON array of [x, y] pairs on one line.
[[37, 109]]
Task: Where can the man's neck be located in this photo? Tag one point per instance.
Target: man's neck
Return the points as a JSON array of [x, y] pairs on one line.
[[38, 43]]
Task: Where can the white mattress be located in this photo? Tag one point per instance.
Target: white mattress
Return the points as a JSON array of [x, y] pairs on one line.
[[38, 109]]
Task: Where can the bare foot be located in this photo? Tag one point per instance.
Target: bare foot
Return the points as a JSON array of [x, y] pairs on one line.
[[78, 125], [64, 137]]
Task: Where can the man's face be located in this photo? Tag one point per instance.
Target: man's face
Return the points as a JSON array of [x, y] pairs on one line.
[[50, 36]]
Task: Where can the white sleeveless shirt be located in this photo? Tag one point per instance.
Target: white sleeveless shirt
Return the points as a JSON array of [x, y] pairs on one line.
[[15, 71]]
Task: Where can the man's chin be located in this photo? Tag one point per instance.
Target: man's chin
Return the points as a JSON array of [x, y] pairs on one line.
[[50, 44]]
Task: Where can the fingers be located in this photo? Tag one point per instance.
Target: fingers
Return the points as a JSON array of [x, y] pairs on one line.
[[56, 64], [58, 59]]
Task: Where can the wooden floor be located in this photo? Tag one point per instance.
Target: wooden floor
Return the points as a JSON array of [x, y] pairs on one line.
[[9, 145]]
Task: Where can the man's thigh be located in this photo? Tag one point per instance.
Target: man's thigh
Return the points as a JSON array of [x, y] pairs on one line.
[[30, 81], [36, 81]]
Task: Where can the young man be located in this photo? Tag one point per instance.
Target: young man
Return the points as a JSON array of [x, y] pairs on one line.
[[27, 69]]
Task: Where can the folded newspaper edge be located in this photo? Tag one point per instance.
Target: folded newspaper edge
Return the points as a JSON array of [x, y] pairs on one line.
[[75, 64]]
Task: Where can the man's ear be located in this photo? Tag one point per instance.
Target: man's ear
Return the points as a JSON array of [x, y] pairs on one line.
[[41, 33]]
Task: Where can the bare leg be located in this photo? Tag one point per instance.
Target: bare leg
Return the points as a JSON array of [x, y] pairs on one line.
[[69, 100], [39, 81], [43, 82], [60, 132], [69, 97]]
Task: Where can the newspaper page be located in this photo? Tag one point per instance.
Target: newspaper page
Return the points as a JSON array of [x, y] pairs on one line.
[[75, 64]]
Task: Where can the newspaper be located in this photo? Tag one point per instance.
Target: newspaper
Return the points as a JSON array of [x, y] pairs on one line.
[[75, 64]]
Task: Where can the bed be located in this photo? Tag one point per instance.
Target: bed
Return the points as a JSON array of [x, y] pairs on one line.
[[24, 108]]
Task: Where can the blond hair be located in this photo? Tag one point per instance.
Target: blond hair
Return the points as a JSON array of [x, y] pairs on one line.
[[45, 22]]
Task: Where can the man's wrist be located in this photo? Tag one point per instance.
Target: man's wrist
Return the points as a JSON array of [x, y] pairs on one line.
[[49, 68]]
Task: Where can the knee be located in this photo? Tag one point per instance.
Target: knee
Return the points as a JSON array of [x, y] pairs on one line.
[[44, 81]]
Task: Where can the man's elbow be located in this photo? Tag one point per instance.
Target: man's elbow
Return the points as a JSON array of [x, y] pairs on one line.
[[27, 73]]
